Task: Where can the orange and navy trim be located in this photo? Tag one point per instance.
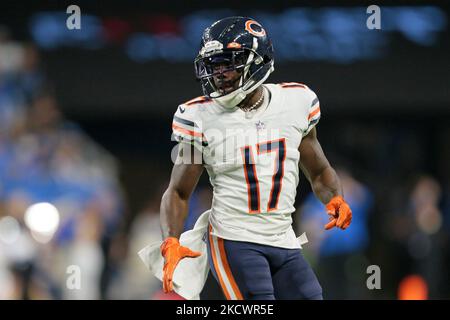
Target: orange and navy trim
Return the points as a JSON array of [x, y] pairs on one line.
[[197, 100], [187, 129], [314, 113], [279, 146], [251, 179], [222, 268], [184, 121], [288, 85]]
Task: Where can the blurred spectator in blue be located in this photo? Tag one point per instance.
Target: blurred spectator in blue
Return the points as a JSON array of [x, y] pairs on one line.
[[339, 255], [51, 160]]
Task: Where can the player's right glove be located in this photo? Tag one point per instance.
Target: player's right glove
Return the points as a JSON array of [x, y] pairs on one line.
[[339, 212], [173, 252]]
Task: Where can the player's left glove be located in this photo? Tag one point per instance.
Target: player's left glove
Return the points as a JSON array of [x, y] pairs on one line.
[[173, 252], [339, 212]]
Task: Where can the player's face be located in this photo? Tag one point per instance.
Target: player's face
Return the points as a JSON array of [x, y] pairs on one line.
[[226, 80], [227, 70]]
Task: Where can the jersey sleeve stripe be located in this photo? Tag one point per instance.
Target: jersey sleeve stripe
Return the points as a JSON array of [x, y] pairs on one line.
[[198, 100], [292, 86], [185, 131], [311, 124], [314, 121], [286, 84], [314, 112], [184, 121], [186, 127], [314, 101]]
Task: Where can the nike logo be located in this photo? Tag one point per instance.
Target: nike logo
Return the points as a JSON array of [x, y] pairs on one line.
[[182, 110]]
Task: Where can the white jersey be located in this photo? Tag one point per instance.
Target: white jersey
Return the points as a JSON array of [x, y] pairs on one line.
[[252, 160]]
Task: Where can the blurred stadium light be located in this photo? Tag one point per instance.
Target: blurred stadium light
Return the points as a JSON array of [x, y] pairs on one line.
[[43, 221]]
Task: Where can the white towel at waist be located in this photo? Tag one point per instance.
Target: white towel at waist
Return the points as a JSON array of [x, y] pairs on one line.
[[191, 273]]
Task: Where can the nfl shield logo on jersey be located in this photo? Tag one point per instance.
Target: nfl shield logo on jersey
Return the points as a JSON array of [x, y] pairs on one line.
[[260, 125]]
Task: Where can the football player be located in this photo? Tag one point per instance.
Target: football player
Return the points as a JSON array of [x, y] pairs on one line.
[[253, 139]]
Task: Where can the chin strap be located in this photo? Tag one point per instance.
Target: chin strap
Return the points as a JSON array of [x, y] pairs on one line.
[[232, 99]]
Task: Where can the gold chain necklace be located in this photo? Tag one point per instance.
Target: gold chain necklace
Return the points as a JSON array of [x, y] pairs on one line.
[[256, 104]]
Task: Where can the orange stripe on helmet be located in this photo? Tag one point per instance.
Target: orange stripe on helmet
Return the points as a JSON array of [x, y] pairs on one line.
[[234, 45]]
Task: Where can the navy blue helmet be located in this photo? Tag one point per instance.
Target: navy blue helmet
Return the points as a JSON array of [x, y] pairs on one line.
[[240, 44]]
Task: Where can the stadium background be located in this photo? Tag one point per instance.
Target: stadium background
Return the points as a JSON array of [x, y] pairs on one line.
[[85, 125]]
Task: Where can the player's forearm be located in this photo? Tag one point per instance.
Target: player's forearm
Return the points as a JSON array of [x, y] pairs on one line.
[[326, 185], [173, 213]]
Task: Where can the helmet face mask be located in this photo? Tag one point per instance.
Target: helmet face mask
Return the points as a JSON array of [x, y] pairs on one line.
[[235, 57], [209, 66], [224, 72]]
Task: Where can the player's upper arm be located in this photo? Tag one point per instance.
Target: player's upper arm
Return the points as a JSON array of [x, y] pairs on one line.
[[186, 171], [312, 158], [187, 130]]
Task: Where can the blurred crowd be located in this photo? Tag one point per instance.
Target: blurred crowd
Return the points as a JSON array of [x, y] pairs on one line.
[[401, 218], [401, 215], [45, 158]]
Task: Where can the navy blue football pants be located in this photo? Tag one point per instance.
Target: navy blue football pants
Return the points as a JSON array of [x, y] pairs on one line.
[[253, 271]]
